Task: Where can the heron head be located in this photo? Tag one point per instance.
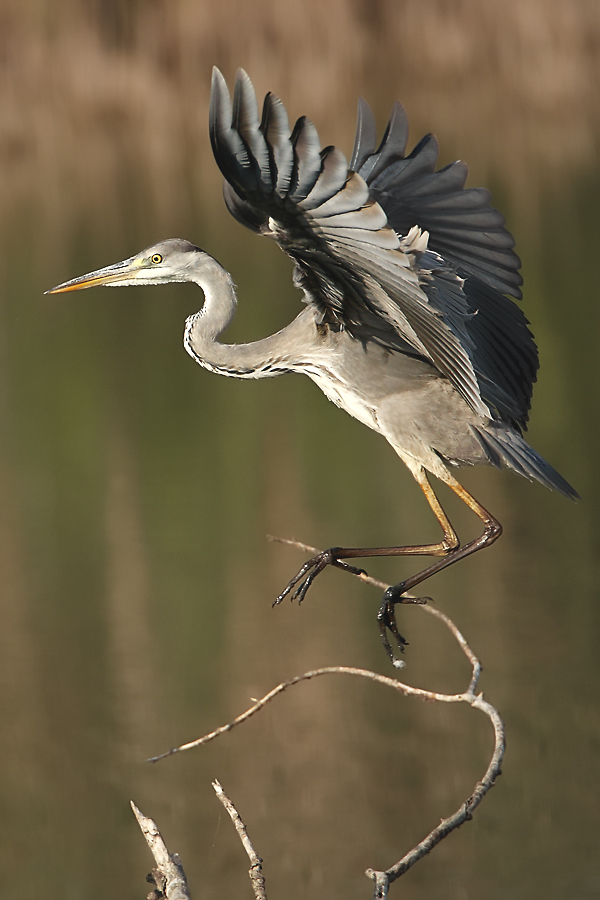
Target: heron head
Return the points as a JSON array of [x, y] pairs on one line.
[[172, 260]]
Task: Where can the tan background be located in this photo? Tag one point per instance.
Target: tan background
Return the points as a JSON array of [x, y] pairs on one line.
[[136, 490]]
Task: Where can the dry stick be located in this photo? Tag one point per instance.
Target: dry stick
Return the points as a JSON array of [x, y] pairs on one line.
[[257, 878], [168, 876], [382, 880]]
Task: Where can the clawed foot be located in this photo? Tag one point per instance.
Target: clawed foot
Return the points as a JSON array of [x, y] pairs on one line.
[[386, 618], [297, 588], [303, 579]]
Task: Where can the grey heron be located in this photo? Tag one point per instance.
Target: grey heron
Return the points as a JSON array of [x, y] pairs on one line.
[[409, 324]]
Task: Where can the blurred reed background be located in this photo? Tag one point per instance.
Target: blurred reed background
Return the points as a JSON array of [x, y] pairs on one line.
[[136, 490]]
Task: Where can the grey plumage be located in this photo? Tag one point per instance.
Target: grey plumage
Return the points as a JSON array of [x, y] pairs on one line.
[[407, 278]]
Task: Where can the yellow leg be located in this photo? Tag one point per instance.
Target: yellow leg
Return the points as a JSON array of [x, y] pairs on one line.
[[491, 532], [335, 556]]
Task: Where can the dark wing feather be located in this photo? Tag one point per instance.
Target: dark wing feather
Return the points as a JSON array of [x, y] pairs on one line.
[[464, 229], [366, 136], [470, 235], [351, 264]]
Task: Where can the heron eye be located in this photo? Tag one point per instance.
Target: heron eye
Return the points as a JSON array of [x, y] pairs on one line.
[[157, 258]]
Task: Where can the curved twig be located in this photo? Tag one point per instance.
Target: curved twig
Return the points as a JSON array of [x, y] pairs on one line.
[[462, 815]]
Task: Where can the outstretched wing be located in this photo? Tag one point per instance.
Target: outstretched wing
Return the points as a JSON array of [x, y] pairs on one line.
[[463, 228], [470, 235], [354, 268]]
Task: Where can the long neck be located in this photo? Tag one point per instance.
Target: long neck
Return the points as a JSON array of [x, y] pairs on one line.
[[271, 356]]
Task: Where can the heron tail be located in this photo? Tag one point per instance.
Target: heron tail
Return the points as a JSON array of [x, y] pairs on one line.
[[506, 448]]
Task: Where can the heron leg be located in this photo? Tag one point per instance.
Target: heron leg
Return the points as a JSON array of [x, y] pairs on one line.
[[298, 586], [449, 548], [394, 595]]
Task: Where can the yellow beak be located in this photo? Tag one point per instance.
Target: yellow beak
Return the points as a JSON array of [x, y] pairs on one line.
[[118, 273]]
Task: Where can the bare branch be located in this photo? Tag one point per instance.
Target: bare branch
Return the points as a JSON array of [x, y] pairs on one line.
[[465, 811], [168, 875], [407, 689], [256, 877], [463, 814], [382, 880]]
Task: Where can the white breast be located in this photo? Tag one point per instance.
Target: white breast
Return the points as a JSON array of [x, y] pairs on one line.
[[344, 397]]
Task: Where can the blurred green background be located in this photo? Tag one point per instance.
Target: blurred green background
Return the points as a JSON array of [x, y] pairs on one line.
[[136, 490]]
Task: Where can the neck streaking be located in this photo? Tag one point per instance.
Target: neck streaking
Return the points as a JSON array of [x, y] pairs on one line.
[[260, 359]]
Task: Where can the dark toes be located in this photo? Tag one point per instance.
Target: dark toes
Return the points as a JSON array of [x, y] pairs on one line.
[[394, 593]]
